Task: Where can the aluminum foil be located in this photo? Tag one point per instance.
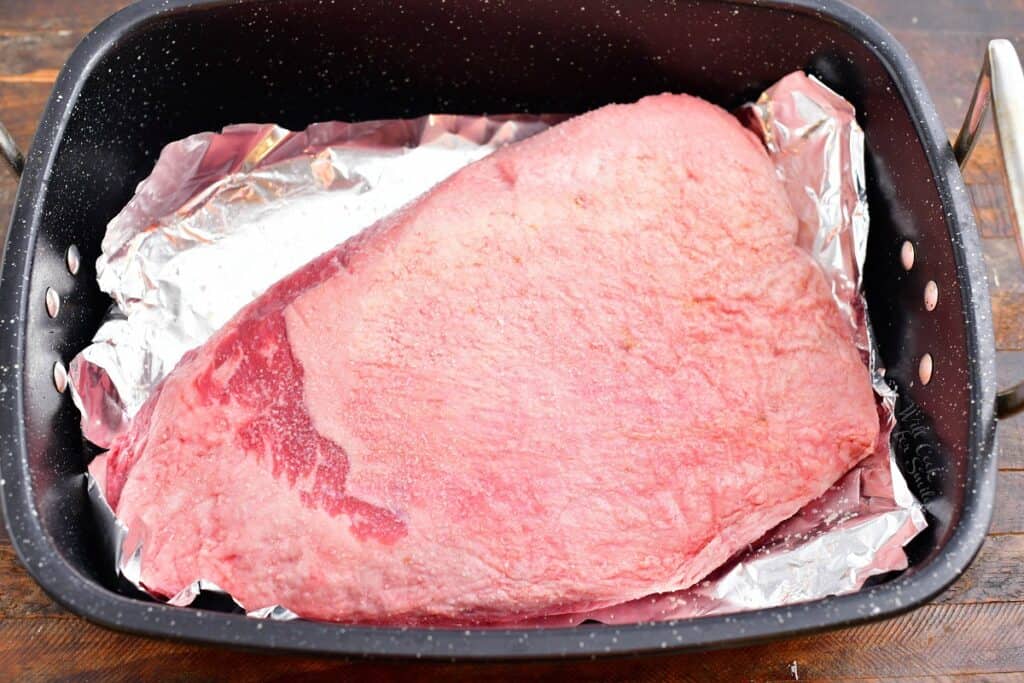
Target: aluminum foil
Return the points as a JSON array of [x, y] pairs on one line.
[[223, 216]]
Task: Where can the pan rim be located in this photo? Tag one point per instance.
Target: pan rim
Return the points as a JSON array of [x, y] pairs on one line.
[[39, 554]]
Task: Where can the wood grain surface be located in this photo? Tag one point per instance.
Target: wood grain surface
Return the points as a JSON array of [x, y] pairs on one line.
[[973, 632]]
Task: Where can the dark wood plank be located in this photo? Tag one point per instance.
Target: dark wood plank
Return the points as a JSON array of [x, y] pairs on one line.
[[1008, 316], [1011, 432], [984, 176], [995, 575], [20, 596], [984, 17], [20, 17], [31, 55], [1006, 279], [1011, 444], [1008, 517], [946, 39]]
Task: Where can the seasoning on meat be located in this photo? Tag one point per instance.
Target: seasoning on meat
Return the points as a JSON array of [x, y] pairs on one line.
[[585, 369]]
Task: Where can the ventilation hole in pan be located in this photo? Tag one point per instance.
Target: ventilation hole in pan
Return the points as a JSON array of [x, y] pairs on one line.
[[60, 377], [74, 260], [924, 368], [52, 302], [931, 296], [907, 255]]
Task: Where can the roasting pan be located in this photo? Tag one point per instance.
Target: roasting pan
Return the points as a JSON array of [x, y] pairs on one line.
[[161, 70]]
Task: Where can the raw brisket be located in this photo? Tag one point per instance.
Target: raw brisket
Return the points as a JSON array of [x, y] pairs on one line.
[[588, 368]]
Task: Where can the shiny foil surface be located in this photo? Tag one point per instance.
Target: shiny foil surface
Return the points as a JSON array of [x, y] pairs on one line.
[[225, 215]]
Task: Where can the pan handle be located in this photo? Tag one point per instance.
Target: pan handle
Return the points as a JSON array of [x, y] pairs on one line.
[[1002, 82], [10, 152]]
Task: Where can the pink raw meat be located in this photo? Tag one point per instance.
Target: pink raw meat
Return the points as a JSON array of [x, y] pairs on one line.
[[588, 368]]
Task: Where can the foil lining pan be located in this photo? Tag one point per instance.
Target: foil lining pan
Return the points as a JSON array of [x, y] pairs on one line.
[[225, 215]]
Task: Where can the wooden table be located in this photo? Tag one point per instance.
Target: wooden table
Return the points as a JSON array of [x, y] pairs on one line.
[[974, 630]]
